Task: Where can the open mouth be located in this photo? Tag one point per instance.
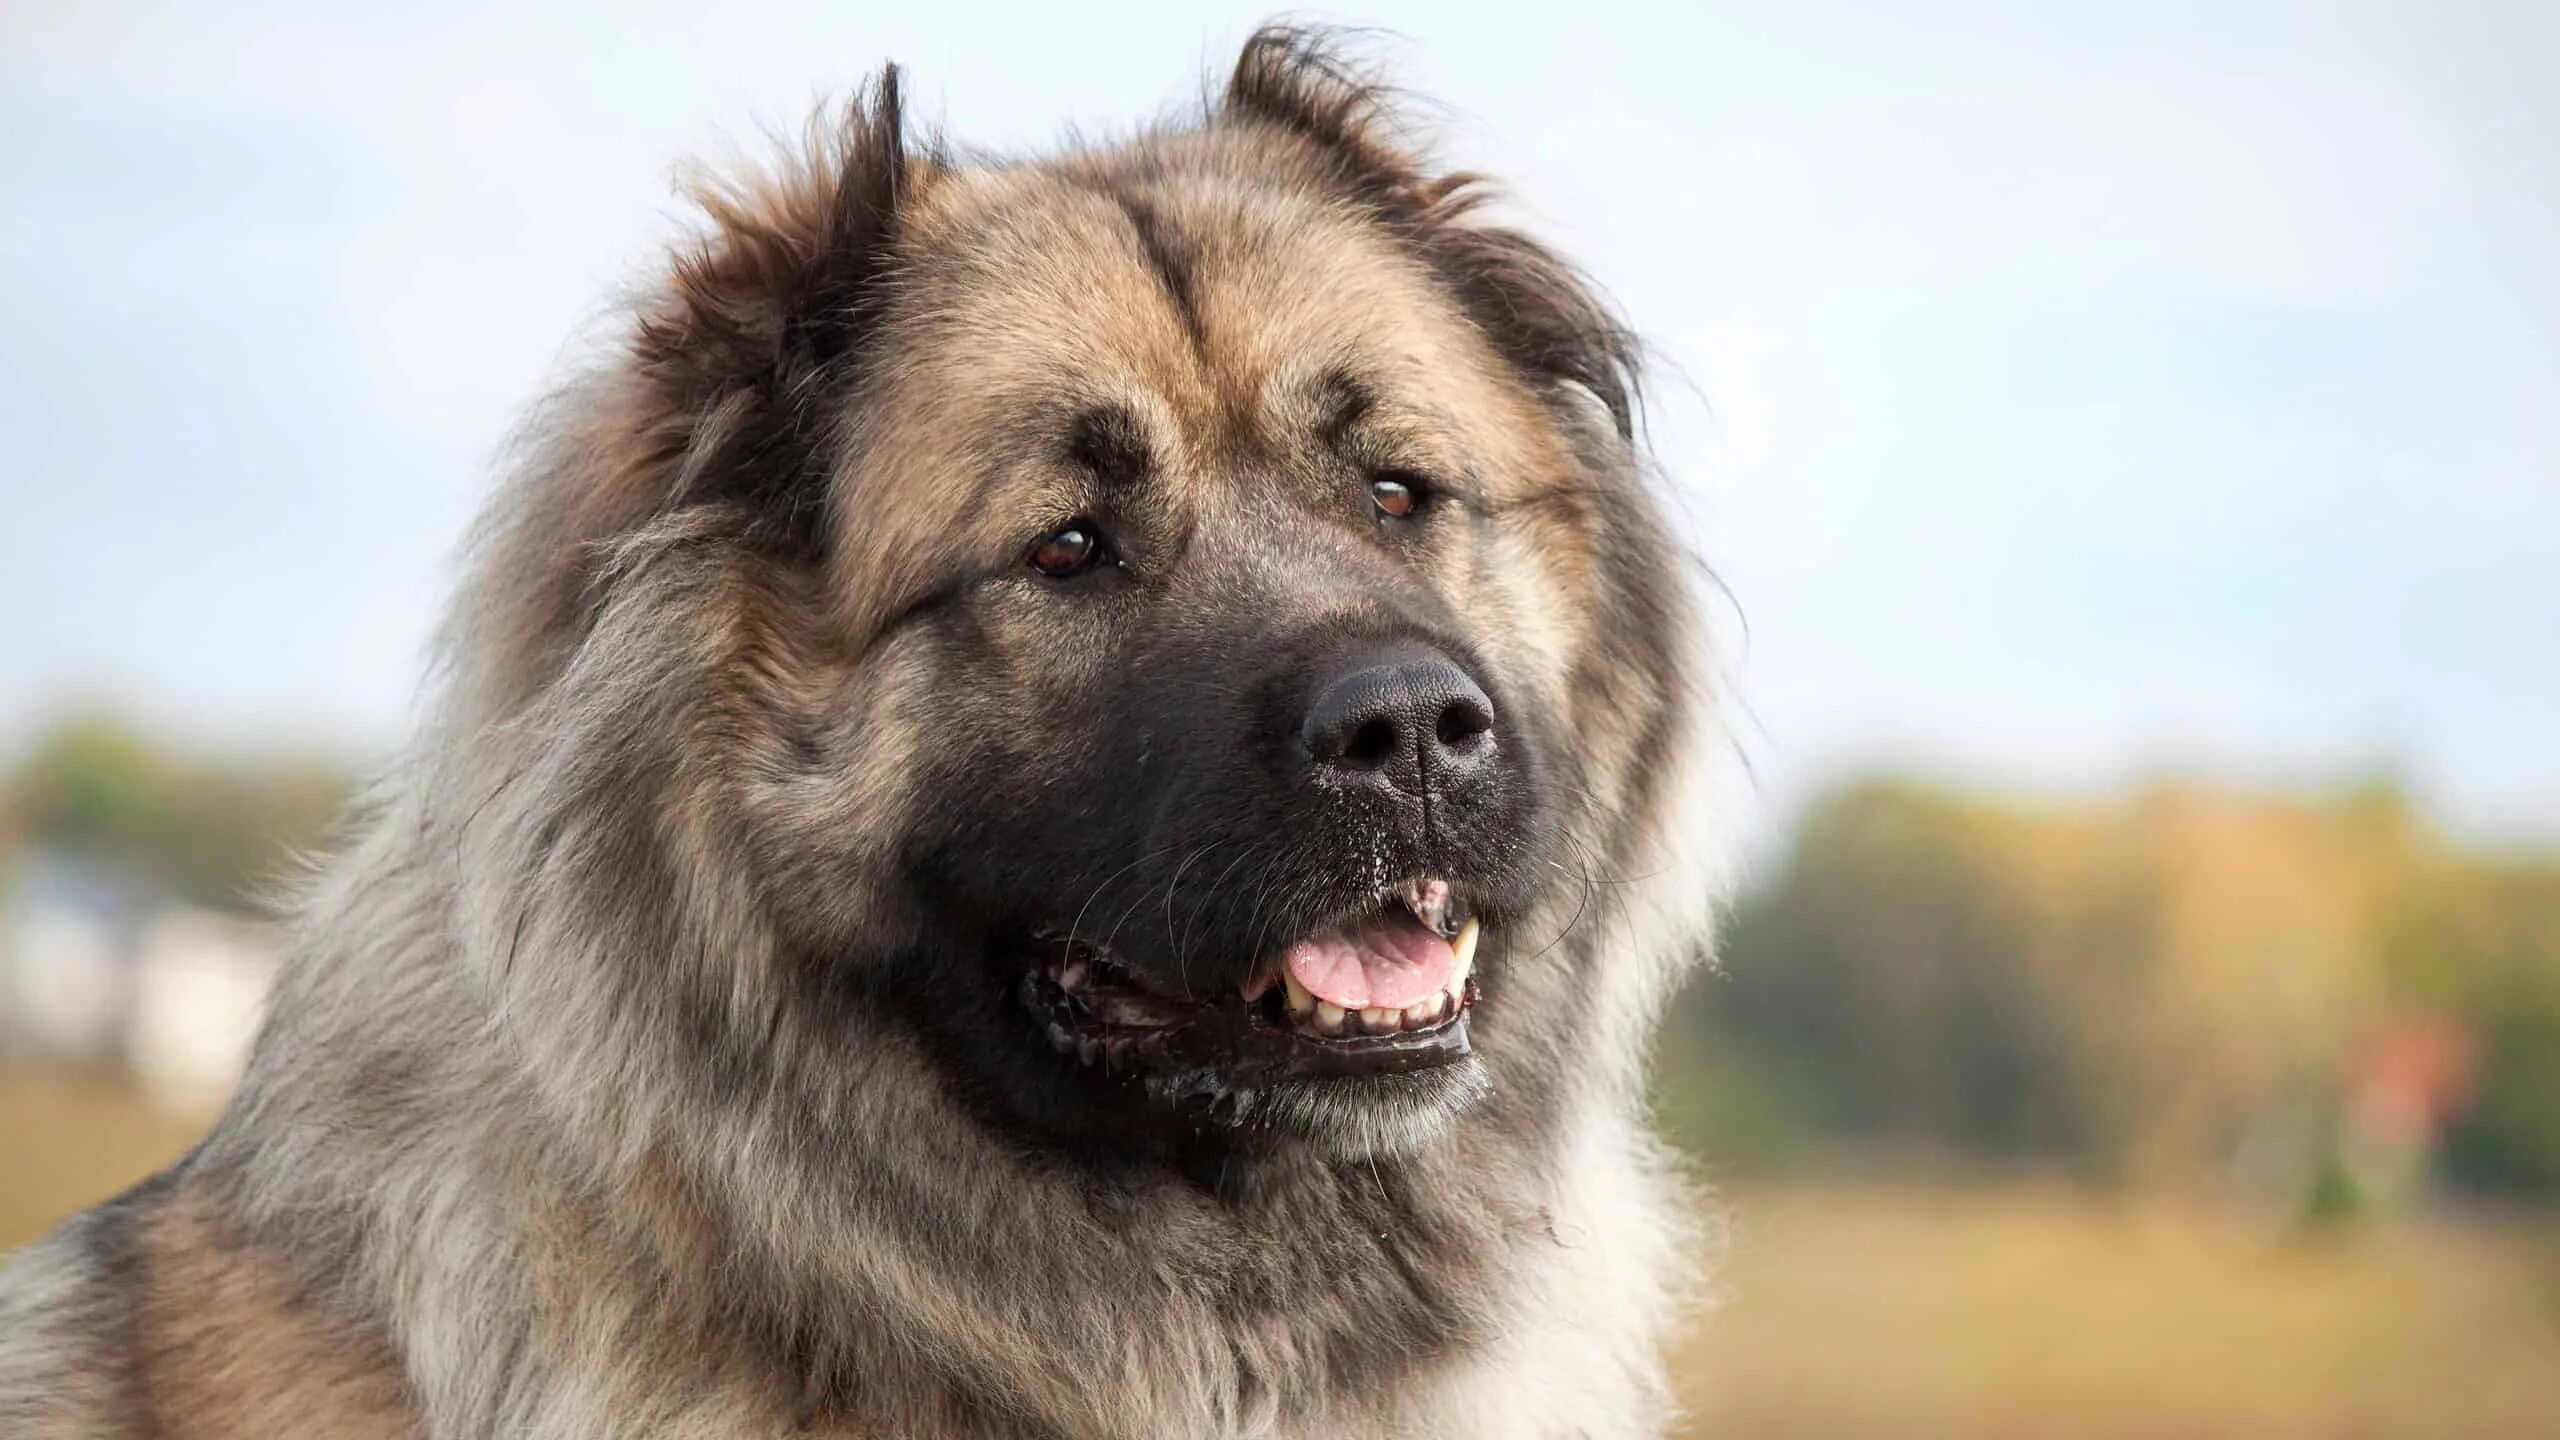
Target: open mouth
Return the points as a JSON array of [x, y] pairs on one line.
[[1384, 991]]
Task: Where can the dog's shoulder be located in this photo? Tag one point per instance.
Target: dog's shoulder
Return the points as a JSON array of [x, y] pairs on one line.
[[150, 1316], [62, 1316]]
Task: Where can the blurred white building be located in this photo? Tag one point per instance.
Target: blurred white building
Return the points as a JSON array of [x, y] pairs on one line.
[[69, 928], [100, 975], [199, 990]]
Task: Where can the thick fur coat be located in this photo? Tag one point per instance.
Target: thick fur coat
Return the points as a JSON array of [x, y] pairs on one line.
[[648, 1063]]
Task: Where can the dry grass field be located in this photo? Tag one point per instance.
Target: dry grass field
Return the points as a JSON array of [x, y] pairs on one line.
[[2023, 1311], [1870, 1309], [67, 1143]]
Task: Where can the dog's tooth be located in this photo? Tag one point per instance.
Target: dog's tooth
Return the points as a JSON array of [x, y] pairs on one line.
[[1072, 975], [1329, 1017], [1300, 1002], [1425, 1010], [1256, 986], [1465, 945], [1060, 1039], [1431, 905], [1087, 1048], [1381, 1020]]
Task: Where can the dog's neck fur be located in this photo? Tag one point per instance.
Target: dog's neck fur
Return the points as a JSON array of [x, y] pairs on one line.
[[559, 1265], [543, 1108]]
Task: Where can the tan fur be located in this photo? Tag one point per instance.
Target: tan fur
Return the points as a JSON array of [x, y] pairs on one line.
[[235, 1346], [547, 1136]]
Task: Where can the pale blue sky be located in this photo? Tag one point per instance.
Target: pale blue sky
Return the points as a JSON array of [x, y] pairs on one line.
[[2067, 392]]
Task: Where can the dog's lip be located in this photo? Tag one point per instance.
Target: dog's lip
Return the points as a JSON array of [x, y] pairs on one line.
[[1267, 1028], [1243, 1045]]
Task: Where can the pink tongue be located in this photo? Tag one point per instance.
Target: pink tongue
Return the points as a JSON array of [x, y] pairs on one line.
[[1385, 963]]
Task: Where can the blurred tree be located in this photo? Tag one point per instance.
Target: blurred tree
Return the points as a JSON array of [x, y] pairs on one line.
[[2507, 981], [2165, 990], [217, 832]]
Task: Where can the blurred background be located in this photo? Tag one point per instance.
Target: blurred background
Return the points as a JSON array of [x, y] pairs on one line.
[[2128, 438]]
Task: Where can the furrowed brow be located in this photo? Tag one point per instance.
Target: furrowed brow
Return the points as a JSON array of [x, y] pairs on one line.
[[1107, 442], [1346, 404]]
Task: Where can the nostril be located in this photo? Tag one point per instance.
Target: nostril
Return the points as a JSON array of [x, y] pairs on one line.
[[1463, 723], [1372, 745]]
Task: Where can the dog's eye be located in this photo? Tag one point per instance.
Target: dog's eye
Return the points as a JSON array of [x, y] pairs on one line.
[[1070, 550], [1396, 494]]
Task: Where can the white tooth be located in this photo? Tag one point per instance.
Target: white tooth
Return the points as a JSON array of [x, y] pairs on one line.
[[1087, 1048], [1300, 1002], [1072, 976], [1329, 1017], [1381, 1020], [1425, 1010], [1465, 945]]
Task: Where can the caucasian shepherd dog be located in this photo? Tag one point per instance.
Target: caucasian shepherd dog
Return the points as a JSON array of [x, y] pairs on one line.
[[1053, 812]]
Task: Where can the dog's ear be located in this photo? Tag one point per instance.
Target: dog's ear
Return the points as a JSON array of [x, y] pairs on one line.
[[1302, 81], [1539, 312], [749, 350], [717, 420]]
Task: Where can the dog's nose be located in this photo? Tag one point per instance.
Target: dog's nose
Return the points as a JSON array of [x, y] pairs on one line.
[[1404, 716]]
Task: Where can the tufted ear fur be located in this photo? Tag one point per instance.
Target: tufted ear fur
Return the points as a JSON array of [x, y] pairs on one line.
[[749, 349], [1541, 314], [716, 421]]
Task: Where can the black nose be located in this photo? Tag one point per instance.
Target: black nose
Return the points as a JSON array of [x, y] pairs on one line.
[[1402, 715]]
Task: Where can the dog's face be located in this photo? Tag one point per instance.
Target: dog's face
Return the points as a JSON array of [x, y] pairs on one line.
[[1239, 698], [1198, 636]]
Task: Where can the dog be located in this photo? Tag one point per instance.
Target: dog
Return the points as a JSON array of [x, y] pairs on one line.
[[1058, 803]]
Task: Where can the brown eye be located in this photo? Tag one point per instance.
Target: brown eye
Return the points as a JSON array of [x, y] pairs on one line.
[[1065, 552], [1393, 497]]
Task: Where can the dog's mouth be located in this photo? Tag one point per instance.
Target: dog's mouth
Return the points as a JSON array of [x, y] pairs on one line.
[[1382, 991]]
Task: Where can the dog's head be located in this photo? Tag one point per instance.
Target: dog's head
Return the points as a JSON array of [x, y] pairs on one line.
[[1177, 634]]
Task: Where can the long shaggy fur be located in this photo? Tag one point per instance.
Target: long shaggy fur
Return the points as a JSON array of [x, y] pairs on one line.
[[599, 1097]]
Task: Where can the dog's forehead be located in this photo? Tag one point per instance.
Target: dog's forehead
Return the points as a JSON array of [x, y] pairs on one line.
[[1221, 307], [1227, 299]]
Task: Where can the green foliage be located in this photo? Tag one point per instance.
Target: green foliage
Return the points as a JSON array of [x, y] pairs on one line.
[[215, 831], [2161, 991], [2509, 1139], [1748, 1108]]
